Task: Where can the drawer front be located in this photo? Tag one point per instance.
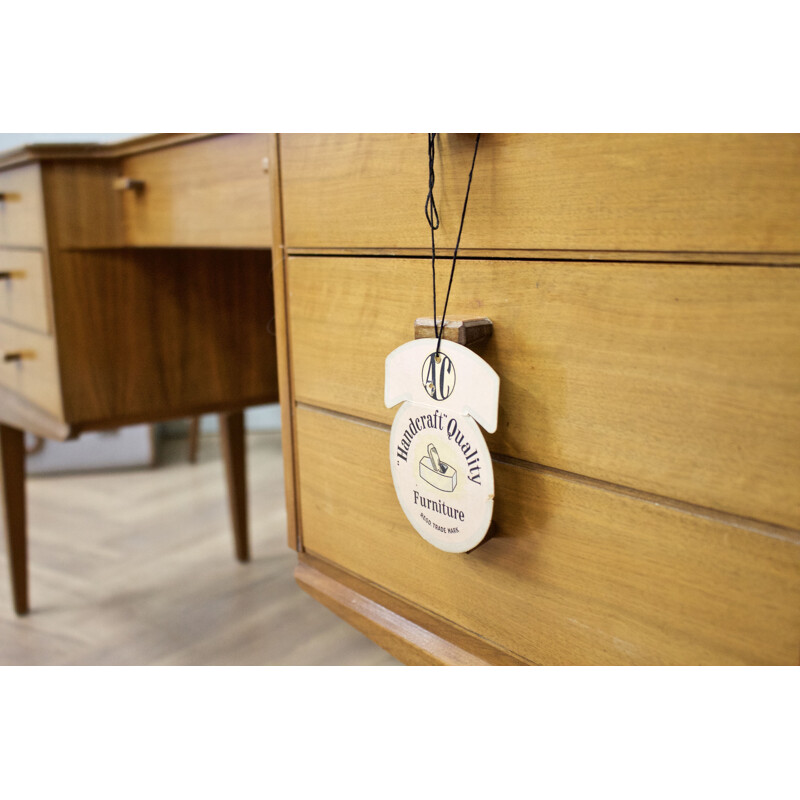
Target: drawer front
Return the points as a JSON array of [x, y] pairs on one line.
[[23, 297], [573, 573], [703, 193], [679, 380], [208, 193], [35, 375], [21, 207]]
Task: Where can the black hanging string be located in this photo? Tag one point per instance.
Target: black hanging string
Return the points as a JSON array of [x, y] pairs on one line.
[[430, 214]]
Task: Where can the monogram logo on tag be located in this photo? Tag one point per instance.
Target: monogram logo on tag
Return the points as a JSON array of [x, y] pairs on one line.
[[438, 376]]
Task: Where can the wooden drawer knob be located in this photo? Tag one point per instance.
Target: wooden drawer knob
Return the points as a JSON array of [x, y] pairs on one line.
[[128, 184], [465, 331]]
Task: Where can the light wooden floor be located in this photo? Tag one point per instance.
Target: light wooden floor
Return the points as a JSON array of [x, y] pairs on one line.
[[137, 567]]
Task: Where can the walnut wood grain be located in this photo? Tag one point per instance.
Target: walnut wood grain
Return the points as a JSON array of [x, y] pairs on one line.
[[410, 634], [231, 428], [683, 381], [149, 334], [572, 574], [194, 438], [202, 191], [736, 193], [209, 193], [82, 208], [12, 491], [282, 338]]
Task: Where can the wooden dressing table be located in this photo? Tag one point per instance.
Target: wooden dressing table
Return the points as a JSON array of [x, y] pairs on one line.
[[134, 287]]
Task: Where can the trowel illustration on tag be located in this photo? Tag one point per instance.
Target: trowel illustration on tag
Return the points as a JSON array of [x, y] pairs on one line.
[[441, 467]]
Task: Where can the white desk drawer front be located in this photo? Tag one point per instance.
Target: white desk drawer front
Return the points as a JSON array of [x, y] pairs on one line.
[[28, 366], [21, 207], [23, 296]]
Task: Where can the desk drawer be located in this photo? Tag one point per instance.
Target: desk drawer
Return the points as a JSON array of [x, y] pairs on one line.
[[208, 193], [573, 573], [21, 207], [23, 297], [680, 380], [35, 375], [704, 193]]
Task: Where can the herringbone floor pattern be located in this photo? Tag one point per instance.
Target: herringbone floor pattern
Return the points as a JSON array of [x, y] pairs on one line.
[[137, 567]]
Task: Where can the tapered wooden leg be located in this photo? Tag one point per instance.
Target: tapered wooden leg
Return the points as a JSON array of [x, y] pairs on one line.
[[12, 480], [194, 438], [231, 427]]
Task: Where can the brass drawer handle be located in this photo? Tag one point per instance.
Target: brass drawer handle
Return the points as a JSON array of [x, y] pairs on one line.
[[128, 184], [10, 356]]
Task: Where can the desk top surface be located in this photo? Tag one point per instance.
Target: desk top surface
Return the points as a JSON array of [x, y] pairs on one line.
[[72, 150]]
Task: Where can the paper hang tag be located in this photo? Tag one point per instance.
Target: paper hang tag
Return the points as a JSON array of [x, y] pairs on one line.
[[441, 466]]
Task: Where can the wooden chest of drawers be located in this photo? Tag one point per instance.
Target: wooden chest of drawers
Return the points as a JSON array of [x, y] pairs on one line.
[[645, 298]]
